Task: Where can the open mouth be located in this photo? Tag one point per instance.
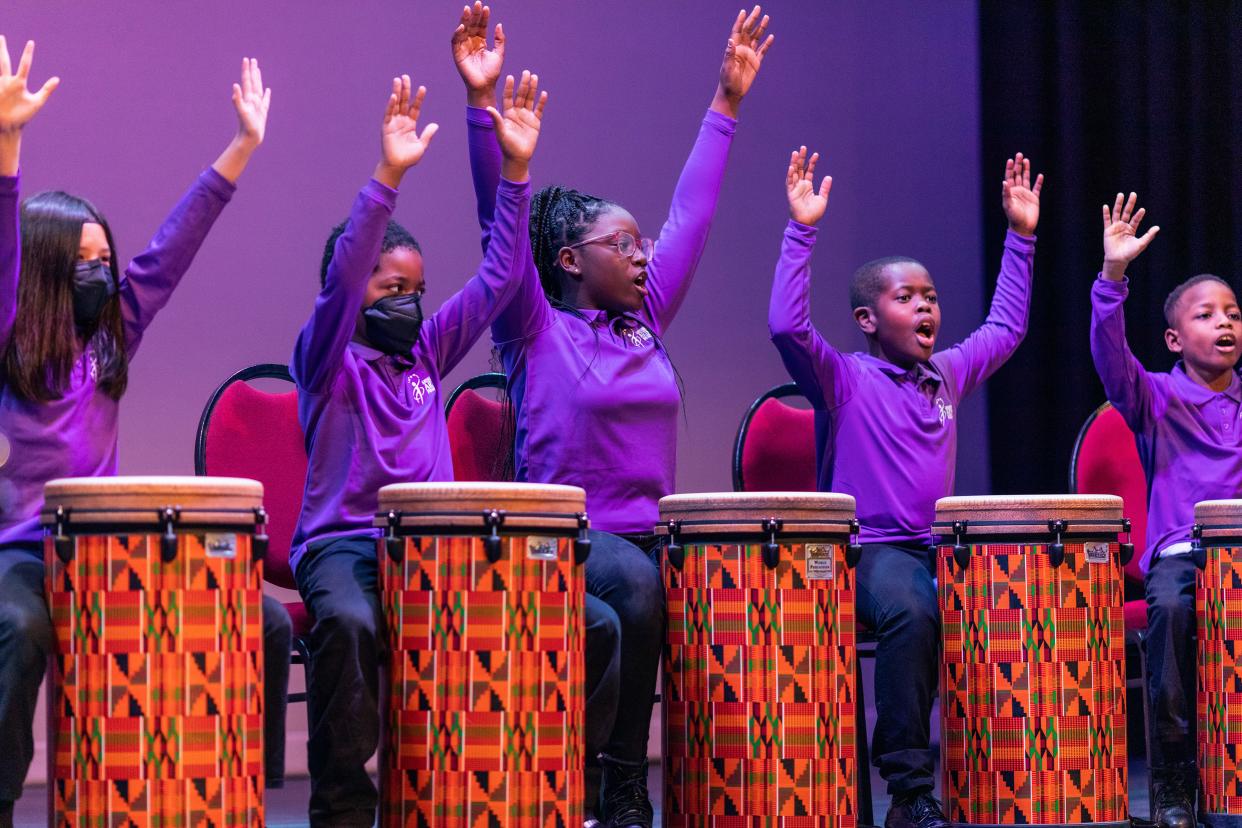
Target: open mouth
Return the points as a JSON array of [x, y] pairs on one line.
[[925, 333], [640, 282], [1226, 342]]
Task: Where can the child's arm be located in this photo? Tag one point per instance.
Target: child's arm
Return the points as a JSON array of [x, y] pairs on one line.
[[321, 344], [821, 372], [479, 68], [153, 275], [979, 356], [18, 105], [684, 234], [1126, 384], [507, 259]]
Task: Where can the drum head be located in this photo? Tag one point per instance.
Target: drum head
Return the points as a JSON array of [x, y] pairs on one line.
[[1029, 514], [745, 512], [461, 505], [1219, 518], [140, 500]]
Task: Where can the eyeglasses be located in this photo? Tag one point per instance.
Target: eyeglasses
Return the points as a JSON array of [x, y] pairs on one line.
[[624, 242]]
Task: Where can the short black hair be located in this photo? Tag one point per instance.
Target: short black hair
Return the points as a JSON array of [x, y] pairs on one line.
[[869, 280], [1175, 295], [395, 236]]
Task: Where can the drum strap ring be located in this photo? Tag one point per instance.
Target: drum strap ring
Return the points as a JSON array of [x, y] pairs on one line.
[[958, 529], [167, 518], [771, 527], [493, 520]]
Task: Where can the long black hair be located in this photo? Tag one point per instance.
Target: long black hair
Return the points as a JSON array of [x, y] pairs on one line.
[[45, 344]]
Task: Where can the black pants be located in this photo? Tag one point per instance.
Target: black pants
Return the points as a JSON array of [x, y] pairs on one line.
[[623, 573], [27, 639], [896, 599], [1171, 659], [339, 581]]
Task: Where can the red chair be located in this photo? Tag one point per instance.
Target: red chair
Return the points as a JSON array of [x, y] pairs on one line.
[[774, 451], [478, 437], [1105, 461], [246, 432]]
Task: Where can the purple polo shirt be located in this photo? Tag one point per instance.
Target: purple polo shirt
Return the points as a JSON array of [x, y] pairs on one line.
[[371, 419], [886, 435], [1187, 434], [75, 435], [596, 398]]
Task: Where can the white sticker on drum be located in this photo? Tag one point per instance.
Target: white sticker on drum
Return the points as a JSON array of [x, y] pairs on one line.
[[220, 545], [1097, 553], [820, 558], [542, 549]]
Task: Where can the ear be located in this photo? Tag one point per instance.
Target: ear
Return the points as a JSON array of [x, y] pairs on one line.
[[1172, 340], [567, 258], [865, 318]]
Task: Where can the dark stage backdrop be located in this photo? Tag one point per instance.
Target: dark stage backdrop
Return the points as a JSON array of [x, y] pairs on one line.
[[1106, 97], [888, 91]]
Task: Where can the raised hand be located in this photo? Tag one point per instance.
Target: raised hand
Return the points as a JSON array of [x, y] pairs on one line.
[[401, 143], [743, 56], [478, 66], [18, 105], [517, 129], [251, 100], [1018, 197], [806, 205], [1122, 244]]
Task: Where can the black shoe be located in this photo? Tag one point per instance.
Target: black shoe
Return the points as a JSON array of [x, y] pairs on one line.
[[623, 798], [1173, 796], [918, 810], [6, 815]]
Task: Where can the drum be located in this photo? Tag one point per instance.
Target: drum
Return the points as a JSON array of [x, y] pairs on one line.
[[483, 589], [1033, 676], [156, 704], [759, 672], [1218, 607]]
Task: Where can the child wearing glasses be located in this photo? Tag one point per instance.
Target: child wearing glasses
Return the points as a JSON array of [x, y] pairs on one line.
[[594, 394]]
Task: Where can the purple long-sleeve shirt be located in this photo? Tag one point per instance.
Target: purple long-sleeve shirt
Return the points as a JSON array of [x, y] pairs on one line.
[[371, 419], [886, 435], [76, 434], [596, 398], [1187, 434]]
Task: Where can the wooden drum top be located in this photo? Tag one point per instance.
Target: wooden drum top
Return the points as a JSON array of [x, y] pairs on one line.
[[140, 500], [1219, 518], [731, 512], [1022, 514]]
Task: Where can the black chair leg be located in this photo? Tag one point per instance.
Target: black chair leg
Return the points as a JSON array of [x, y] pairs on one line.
[[866, 814]]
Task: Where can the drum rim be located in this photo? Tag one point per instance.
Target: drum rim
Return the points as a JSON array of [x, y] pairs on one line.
[[468, 497]]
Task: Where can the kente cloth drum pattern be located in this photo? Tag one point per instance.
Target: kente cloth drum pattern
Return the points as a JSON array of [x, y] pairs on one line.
[[1218, 604]]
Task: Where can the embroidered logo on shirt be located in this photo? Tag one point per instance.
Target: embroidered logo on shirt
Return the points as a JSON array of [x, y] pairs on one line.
[[945, 409], [636, 336], [421, 387]]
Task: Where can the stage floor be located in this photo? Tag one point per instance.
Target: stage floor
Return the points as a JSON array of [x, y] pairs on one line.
[[286, 808]]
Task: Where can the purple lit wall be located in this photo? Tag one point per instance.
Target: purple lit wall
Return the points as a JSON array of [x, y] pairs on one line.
[[887, 91]]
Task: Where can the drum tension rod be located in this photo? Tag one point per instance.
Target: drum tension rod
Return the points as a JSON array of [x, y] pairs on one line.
[[853, 551], [62, 542], [582, 543], [961, 552], [1056, 549], [393, 545], [169, 516], [771, 549], [259, 546], [1197, 553], [672, 549], [493, 519], [1127, 546]]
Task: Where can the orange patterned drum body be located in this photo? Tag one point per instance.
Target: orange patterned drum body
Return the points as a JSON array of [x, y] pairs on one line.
[[759, 672], [1218, 605], [1032, 684], [483, 589], [156, 702]]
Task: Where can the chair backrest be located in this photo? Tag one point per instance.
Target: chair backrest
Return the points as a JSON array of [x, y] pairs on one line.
[[248, 432], [1106, 461], [475, 426], [775, 446]]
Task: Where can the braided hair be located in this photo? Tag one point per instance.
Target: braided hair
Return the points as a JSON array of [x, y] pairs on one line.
[[560, 217]]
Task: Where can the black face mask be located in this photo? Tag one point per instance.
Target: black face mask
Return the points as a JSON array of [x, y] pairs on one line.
[[92, 288], [393, 323]]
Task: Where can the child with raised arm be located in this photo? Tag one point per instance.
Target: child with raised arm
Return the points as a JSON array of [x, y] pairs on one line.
[[886, 433], [70, 322], [594, 393], [1186, 425], [369, 372]]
